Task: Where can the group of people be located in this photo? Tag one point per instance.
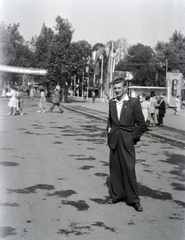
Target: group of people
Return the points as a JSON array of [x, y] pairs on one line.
[[16, 101], [55, 101], [92, 94], [127, 122], [128, 119], [154, 109]]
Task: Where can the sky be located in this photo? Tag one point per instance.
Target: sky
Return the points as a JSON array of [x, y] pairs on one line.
[[99, 21]]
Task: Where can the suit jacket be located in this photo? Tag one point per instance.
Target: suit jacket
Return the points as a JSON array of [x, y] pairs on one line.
[[162, 107], [131, 119]]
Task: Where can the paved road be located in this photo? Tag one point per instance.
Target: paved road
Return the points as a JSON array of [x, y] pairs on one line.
[[54, 170], [170, 119], [174, 127]]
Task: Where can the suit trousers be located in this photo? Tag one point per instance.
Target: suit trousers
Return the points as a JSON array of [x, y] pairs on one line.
[[123, 183]]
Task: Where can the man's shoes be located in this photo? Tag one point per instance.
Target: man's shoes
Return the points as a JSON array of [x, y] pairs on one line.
[[161, 125], [138, 207], [61, 111]]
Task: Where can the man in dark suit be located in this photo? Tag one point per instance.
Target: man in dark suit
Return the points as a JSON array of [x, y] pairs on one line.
[[161, 105], [125, 126]]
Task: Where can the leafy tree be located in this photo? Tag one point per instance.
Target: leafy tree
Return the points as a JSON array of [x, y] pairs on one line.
[[141, 62], [58, 60], [14, 51], [42, 46], [172, 53], [79, 53], [97, 46]]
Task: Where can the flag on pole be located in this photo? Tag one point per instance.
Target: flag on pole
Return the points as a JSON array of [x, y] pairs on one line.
[[115, 59], [97, 68], [110, 59], [97, 55], [87, 66], [129, 75], [128, 53], [94, 56]]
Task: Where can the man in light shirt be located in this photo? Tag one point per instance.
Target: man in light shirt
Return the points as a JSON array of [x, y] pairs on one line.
[[125, 126]]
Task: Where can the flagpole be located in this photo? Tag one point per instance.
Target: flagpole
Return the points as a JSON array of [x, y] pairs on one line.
[[94, 76], [111, 65], [87, 87], [101, 89]]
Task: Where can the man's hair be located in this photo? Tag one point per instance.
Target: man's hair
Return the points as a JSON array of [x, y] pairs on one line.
[[119, 80], [152, 94], [147, 98]]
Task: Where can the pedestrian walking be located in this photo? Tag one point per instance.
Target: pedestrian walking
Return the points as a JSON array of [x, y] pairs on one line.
[[56, 101], [28, 92], [85, 96], [4, 92], [32, 92], [13, 102], [42, 102], [93, 96], [161, 106], [177, 105], [125, 126], [20, 100]]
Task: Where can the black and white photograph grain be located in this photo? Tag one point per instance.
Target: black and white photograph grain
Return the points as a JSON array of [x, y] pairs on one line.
[[92, 119]]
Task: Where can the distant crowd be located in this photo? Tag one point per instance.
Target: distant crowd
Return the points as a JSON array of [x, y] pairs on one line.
[[154, 108], [15, 95]]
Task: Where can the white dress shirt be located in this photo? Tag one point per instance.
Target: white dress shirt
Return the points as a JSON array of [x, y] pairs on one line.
[[119, 104]]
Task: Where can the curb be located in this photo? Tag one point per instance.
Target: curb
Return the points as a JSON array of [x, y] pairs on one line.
[[105, 120], [85, 113]]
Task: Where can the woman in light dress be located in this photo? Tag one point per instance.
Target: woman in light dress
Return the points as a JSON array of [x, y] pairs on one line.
[[13, 102], [153, 110], [145, 105], [177, 105]]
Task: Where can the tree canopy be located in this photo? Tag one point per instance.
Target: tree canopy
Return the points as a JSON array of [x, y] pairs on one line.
[[172, 53], [54, 50], [14, 51], [141, 62]]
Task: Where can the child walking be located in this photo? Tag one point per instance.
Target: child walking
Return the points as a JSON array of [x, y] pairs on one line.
[[42, 103]]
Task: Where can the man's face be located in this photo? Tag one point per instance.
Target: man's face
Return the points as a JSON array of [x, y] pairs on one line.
[[119, 90]]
